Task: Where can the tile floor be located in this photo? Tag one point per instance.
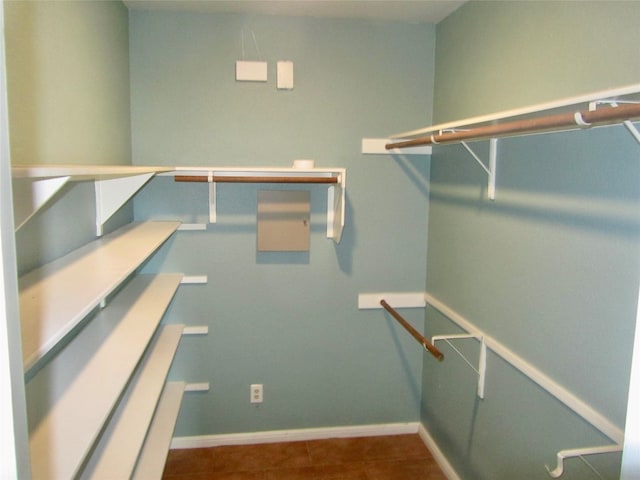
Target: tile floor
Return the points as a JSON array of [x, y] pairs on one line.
[[394, 457]]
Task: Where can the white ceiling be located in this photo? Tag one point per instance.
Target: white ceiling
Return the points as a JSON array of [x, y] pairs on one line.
[[415, 11]]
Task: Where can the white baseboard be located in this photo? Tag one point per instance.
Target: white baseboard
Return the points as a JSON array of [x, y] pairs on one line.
[[204, 441], [431, 444]]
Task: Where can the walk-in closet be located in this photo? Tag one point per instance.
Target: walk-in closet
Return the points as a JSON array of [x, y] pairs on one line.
[[414, 223]]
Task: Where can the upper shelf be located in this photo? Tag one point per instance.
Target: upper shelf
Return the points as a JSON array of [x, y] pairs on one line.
[[265, 173], [625, 93], [606, 107], [83, 172], [35, 185], [336, 178]]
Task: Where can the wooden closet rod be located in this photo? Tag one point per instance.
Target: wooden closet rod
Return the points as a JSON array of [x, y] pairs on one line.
[[254, 179], [414, 333], [561, 121]]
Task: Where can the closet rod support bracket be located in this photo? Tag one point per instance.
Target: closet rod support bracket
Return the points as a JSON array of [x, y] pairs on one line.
[[482, 360], [627, 123], [579, 452], [491, 169]]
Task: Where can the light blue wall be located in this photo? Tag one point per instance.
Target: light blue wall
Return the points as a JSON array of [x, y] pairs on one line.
[[550, 268], [494, 56], [68, 98], [289, 321], [68, 82]]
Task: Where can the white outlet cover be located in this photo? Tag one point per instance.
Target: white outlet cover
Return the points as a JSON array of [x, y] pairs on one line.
[[255, 393]]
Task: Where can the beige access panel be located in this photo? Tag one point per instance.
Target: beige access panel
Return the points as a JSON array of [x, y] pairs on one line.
[[283, 220]]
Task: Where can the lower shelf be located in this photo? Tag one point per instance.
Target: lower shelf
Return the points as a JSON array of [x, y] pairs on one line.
[[116, 454], [154, 453], [73, 397]]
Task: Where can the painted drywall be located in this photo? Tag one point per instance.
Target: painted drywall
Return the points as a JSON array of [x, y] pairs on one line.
[[68, 82], [550, 268], [14, 441], [494, 56], [287, 320], [68, 99]]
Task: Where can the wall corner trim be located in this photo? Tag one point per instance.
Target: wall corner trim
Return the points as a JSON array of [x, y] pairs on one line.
[[431, 444]]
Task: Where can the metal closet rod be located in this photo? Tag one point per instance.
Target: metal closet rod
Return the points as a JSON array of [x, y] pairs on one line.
[[253, 179], [414, 333], [586, 118]]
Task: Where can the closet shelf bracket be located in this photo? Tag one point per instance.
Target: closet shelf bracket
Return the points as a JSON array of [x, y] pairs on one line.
[[581, 452], [35, 185], [113, 193], [482, 360], [35, 194], [614, 103], [491, 169]]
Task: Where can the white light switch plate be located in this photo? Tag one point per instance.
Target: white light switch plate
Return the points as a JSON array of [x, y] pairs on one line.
[[285, 75], [251, 71]]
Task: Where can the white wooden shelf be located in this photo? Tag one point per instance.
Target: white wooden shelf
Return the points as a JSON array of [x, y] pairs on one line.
[[62, 439], [57, 296], [336, 192], [83, 172], [117, 452], [628, 92], [560, 115], [154, 453], [35, 185]]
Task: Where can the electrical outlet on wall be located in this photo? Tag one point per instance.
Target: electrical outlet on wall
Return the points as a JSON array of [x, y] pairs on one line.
[[256, 393]]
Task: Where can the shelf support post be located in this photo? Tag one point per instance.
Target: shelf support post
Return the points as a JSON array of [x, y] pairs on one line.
[[493, 161], [482, 367], [212, 199]]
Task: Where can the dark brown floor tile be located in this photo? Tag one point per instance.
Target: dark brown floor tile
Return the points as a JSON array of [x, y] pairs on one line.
[[412, 469], [236, 476], [350, 471], [218, 476], [308, 473], [344, 450], [395, 447], [337, 450], [260, 457], [188, 461], [194, 476]]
